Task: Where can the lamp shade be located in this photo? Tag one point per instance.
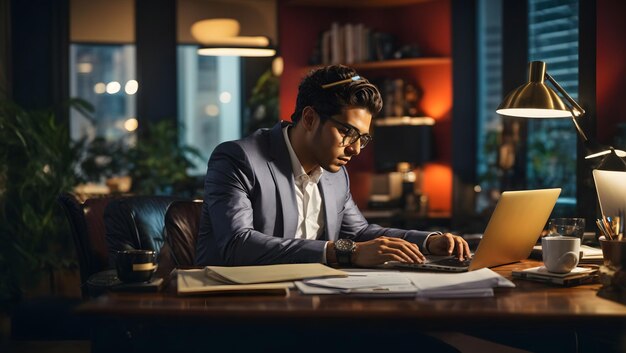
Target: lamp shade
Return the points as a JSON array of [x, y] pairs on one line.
[[219, 37], [534, 99], [398, 140]]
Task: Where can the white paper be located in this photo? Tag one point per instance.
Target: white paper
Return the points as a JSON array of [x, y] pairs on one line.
[[373, 279], [590, 252], [483, 278], [383, 283]]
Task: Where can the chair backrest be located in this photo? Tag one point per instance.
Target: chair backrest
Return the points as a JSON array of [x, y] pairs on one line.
[[87, 227], [182, 223], [136, 222]]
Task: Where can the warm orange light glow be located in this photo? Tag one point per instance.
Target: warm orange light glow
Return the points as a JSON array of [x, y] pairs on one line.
[[437, 185], [437, 86]]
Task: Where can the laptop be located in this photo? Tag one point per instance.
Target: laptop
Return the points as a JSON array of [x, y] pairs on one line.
[[511, 233], [611, 188]]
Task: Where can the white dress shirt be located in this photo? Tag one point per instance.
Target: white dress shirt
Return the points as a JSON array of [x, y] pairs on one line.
[[308, 198]]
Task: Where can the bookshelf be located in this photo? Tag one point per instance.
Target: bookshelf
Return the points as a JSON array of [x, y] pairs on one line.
[[425, 22]]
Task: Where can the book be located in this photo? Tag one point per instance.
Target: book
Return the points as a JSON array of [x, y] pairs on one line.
[[579, 275]]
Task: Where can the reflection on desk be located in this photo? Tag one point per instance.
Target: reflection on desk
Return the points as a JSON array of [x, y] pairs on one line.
[[115, 316]]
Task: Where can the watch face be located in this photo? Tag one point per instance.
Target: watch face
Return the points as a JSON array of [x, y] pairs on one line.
[[344, 245]]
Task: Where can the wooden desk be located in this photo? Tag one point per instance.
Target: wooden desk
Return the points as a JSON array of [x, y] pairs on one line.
[[530, 305]]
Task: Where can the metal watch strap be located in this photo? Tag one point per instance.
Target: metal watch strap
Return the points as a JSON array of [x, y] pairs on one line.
[[344, 258]]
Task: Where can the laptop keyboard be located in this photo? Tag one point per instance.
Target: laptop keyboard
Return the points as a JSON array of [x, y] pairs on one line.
[[453, 261]]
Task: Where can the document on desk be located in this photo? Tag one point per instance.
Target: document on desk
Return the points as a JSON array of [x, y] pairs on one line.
[[369, 283], [589, 254], [271, 273], [472, 284], [190, 282], [262, 279]]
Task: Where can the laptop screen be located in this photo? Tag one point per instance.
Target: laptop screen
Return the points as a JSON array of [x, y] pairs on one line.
[[611, 188]]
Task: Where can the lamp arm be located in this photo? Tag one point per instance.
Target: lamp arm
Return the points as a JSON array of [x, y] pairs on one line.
[[570, 100], [579, 129], [577, 111]]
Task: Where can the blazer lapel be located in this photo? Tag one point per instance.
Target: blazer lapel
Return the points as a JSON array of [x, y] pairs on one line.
[[280, 167], [330, 206]]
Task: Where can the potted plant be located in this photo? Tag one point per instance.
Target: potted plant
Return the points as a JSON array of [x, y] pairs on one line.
[[38, 161]]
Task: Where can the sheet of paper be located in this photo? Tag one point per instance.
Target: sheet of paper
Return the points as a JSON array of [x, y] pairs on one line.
[[373, 279], [196, 282], [483, 278], [591, 252], [272, 273], [384, 283]]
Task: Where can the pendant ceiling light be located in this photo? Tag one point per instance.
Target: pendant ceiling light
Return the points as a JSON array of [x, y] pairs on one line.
[[220, 37]]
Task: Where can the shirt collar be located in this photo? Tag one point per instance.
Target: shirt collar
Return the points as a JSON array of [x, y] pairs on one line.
[[298, 171]]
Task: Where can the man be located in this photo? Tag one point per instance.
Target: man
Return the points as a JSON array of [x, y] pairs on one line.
[[282, 195]]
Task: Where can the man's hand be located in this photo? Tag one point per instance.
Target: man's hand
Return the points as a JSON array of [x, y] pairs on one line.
[[448, 244], [380, 250]]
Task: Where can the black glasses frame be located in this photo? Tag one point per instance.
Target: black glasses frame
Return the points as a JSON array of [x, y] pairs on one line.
[[353, 134]]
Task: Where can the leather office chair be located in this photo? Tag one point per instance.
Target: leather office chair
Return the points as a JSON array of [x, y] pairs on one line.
[[182, 223], [87, 227], [137, 222]]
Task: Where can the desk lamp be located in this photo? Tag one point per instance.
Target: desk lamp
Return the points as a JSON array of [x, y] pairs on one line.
[[402, 144], [536, 100]]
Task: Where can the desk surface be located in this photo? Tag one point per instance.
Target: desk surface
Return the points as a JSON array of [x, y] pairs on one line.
[[529, 303]]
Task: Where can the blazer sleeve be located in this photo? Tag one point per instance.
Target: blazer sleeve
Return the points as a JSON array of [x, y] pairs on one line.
[[354, 226], [229, 189]]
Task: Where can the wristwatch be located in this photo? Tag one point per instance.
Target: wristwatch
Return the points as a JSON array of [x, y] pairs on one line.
[[344, 248]]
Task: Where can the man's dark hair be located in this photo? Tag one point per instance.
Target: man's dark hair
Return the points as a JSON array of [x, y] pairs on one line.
[[331, 100]]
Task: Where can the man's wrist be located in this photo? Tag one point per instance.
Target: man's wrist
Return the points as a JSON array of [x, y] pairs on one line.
[[331, 256], [427, 242]]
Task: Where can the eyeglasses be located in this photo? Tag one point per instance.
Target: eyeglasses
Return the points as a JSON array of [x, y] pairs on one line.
[[351, 134]]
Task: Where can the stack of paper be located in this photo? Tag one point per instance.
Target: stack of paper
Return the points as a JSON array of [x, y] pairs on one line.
[[387, 283], [479, 283], [264, 279], [579, 275], [591, 255]]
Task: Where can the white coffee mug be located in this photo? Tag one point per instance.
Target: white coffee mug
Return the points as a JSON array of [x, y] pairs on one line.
[[560, 254]]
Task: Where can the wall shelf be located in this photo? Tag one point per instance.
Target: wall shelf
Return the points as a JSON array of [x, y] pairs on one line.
[[354, 3], [397, 63]]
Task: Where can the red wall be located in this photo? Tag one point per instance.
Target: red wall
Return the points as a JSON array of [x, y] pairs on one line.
[[428, 24], [610, 67]]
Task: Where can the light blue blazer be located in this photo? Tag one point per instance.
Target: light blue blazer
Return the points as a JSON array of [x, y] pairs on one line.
[[250, 215]]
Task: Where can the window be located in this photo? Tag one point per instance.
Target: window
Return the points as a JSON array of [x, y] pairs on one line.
[[209, 101], [104, 75], [208, 93], [551, 143], [489, 43]]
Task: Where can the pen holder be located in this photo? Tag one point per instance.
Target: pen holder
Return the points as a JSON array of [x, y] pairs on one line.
[[614, 253]]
